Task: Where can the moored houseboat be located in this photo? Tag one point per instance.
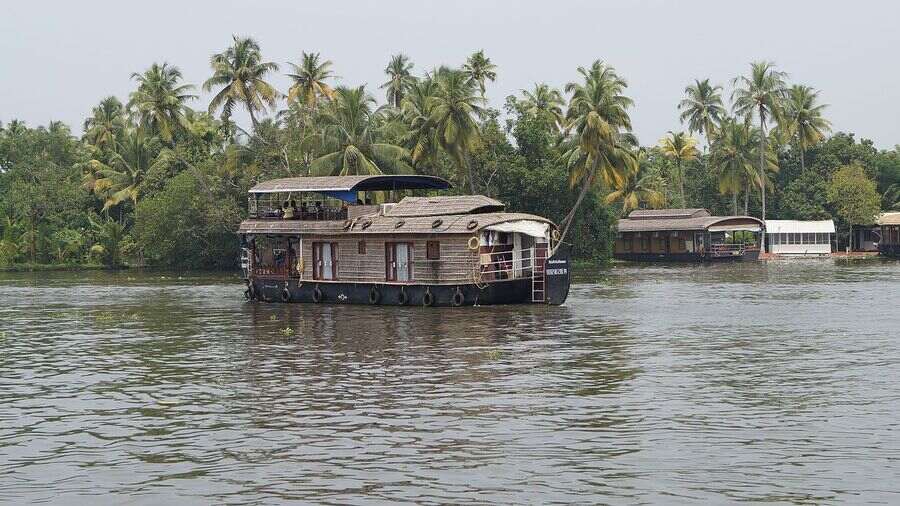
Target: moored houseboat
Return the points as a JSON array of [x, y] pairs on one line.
[[365, 240], [889, 243], [687, 235]]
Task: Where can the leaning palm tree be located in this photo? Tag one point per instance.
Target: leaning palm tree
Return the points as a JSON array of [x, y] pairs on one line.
[[159, 101], [681, 148], [803, 119], [454, 108], [761, 95], [600, 140], [310, 80], [702, 108], [638, 189], [479, 68], [106, 124], [399, 80], [545, 104], [348, 138], [120, 179], [240, 74]]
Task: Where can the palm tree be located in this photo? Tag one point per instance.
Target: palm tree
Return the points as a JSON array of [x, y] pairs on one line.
[[732, 155], [600, 145], [454, 107], [639, 188], [349, 139], [545, 104], [420, 138], [702, 108], [309, 80], [479, 68], [761, 95], [160, 99], [399, 79], [241, 73], [106, 124], [680, 147], [803, 119], [120, 179]]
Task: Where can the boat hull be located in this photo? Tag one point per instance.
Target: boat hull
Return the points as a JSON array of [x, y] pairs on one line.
[[501, 292]]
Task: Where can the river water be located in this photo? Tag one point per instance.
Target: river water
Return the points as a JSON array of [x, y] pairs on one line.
[[775, 382]]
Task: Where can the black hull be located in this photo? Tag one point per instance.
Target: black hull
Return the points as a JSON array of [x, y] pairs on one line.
[[501, 292], [889, 250]]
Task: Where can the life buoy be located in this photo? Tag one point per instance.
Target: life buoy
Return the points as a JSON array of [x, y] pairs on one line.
[[437, 223], [473, 243], [472, 224], [347, 224], [366, 224], [285, 295], [399, 224], [402, 297], [374, 295], [458, 298], [428, 298], [317, 294]]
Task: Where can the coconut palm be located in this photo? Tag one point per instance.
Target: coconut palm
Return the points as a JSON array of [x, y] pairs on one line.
[[803, 119], [681, 148], [420, 138], [599, 128], [732, 155], [159, 101], [761, 95], [702, 108], [545, 104], [310, 80], [348, 138], [454, 107], [120, 179], [239, 73], [106, 124], [399, 79], [479, 68], [638, 189]]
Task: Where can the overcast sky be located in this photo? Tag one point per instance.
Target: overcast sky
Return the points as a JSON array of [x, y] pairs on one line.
[[58, 59]]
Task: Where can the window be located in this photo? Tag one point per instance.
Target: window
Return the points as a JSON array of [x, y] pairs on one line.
[[361, 247], [324, 260], [645, 244], [626, 243], [397, 264], [433, 250]]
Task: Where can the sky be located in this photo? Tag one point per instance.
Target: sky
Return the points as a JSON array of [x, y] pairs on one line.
[[58, 59]]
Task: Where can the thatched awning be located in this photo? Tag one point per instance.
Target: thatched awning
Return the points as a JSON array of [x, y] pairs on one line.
[[444, 205], [351, 184], [670, 220]]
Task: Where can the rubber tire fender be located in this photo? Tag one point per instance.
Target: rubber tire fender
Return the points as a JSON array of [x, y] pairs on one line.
[[428, 298], [317, 295], [458, 298], [285, 295], [403, 297], [374, 296]]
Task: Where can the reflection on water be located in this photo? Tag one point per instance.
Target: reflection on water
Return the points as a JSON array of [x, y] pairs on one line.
[[766, 382]]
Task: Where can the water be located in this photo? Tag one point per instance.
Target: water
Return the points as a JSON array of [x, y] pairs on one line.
[[775, 382]]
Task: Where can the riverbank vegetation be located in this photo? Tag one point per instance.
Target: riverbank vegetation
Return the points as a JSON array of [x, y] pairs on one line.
[[159, 178]]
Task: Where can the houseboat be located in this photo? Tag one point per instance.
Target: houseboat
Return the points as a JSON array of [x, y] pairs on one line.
[[889, 243], [370, 240], [800, 238], [687, 235]]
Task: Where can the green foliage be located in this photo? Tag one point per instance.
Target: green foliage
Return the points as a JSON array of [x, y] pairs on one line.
[[854, 196]]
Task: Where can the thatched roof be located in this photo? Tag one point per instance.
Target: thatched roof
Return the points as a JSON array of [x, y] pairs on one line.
[[351, 183], [443, 224], [445, 205], [889, 218], [658, 220]]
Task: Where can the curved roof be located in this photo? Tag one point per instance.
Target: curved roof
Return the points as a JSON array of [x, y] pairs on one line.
[[444, 205], [394, 225], [701, 222], [643, 214], [351, 183]]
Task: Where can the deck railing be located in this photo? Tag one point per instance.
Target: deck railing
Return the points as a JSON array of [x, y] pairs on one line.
[[727, 250]]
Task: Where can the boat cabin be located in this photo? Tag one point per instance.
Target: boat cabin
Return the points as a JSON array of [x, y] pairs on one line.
[[384, 239], [800, 238], [687, 235]]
